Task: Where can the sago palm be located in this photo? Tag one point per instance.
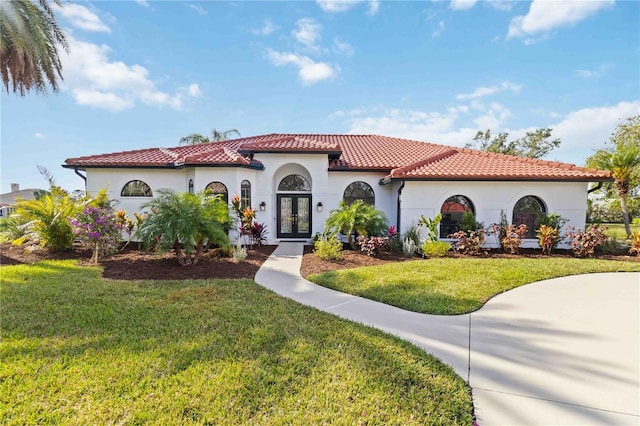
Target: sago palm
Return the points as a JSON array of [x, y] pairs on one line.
[[185, 221], [29, 41]]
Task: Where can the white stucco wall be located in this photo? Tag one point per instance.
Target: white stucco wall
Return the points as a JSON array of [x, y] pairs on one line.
[[418, 198], [568, 199]]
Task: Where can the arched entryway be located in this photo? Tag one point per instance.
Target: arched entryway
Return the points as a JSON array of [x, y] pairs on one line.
[[294, 205]]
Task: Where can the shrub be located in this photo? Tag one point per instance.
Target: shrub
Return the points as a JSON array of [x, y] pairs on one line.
[[328, 248], [613, 246], [500, 229], [584, 243], [431, 225], [46, 220], [469, 223], [409, 247], [514, 237], [355, 219], [413, 234], [634, 243], [12, 229], [468, 242], [372, 245], [554, 220], [238, 253], [395, 242], [435, 248], [635, 221], [259, 233], [547, 238], [184, 221], [99, 228]]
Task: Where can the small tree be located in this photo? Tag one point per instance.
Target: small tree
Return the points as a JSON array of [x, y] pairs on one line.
[[185, 222], [431, 225], [100, 229]]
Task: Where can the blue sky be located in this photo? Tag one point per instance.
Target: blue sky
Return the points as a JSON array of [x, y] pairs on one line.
[[143, 74]]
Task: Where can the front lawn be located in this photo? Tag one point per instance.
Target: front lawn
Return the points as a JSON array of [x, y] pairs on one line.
[[80, 349], [451, 286], [616, 230]]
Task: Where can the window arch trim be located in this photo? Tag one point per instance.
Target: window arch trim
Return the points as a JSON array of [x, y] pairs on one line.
[[529, 210], [245, 194], [359, 190], [216, 188], [452, 210], [136, 188], [294, 183]]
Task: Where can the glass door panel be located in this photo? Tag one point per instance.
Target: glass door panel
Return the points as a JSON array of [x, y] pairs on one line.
[[286, 215], [303, 215]]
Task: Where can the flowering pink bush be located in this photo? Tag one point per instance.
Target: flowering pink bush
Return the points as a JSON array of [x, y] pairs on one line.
[[372, 245], [98, 227]]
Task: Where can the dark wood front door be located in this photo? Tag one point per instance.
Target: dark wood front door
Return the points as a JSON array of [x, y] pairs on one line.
[[294, 216]]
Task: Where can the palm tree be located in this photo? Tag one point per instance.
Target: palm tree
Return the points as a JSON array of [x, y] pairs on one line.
[[29, 44], [623, 160], [355, 219], [216, 136]]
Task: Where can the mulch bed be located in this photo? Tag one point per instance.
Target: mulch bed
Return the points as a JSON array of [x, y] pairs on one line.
[[355, 259], [133, 264]]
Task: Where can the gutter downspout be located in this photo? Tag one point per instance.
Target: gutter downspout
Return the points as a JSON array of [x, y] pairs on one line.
[[398, 209], [84, 178], [595, 188]]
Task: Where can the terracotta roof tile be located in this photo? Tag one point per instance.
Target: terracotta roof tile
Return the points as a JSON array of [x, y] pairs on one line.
[[400, 158]]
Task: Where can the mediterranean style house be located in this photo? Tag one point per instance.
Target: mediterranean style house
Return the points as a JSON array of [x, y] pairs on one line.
[[295, 180]]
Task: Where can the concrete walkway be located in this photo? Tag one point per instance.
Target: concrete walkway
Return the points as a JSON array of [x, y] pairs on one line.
[[562, 351]]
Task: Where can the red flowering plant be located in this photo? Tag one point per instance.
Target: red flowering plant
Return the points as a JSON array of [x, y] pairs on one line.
[[99, 228]]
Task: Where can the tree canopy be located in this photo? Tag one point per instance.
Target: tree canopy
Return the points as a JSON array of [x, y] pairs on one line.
[[29, 41], [622, 157], [535, 144], [216, 136]]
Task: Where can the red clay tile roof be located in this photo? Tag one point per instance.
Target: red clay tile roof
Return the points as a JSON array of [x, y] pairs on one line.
[[399, 158]]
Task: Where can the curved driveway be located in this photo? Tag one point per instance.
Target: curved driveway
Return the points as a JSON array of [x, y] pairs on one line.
[[562, 351]]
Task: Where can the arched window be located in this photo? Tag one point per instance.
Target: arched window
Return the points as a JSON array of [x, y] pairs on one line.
[[452, 211], [190, 186], [136, 188], [218, 188], [294, 183], [245, 194], [529, 210], [359, 191]]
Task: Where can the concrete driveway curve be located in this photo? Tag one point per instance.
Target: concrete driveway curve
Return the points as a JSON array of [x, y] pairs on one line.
[[558, 352]]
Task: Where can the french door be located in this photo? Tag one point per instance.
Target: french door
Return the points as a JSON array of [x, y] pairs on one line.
[[294, 216]]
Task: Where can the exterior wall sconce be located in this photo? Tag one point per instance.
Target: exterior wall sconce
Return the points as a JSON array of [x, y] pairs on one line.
[[263, 206], [319, 206]]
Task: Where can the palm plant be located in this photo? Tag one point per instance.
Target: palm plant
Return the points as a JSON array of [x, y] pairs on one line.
[[47, 219], [357, 218], [29, 44], [623, 160], [216, 136], [185, 222]]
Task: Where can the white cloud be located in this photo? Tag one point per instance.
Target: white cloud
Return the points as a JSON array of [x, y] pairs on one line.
[[39, 135], [97, 81], [545, 16], [336, 6], [308, 33], [81, 17], [462, 4], [266, 29], [501, 5], [342, 47], [199, 9], [310, 72], [194, 90], [486, 91], [144, 3], [438, 30], [594, 73], [581, 131], [374, 6], [587, 129]]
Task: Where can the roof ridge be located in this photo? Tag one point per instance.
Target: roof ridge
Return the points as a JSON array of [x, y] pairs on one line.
[[424, 162]]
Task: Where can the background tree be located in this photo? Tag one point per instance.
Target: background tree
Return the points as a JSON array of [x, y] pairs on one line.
[[216, 136], [29, 40], [535, 144], [622, 158]]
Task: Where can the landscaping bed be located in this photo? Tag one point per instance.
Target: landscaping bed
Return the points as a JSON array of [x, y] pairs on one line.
[[134, 264]]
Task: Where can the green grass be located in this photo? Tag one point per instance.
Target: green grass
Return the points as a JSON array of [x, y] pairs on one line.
[[616, 230], [79, 349], [455, 286]]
